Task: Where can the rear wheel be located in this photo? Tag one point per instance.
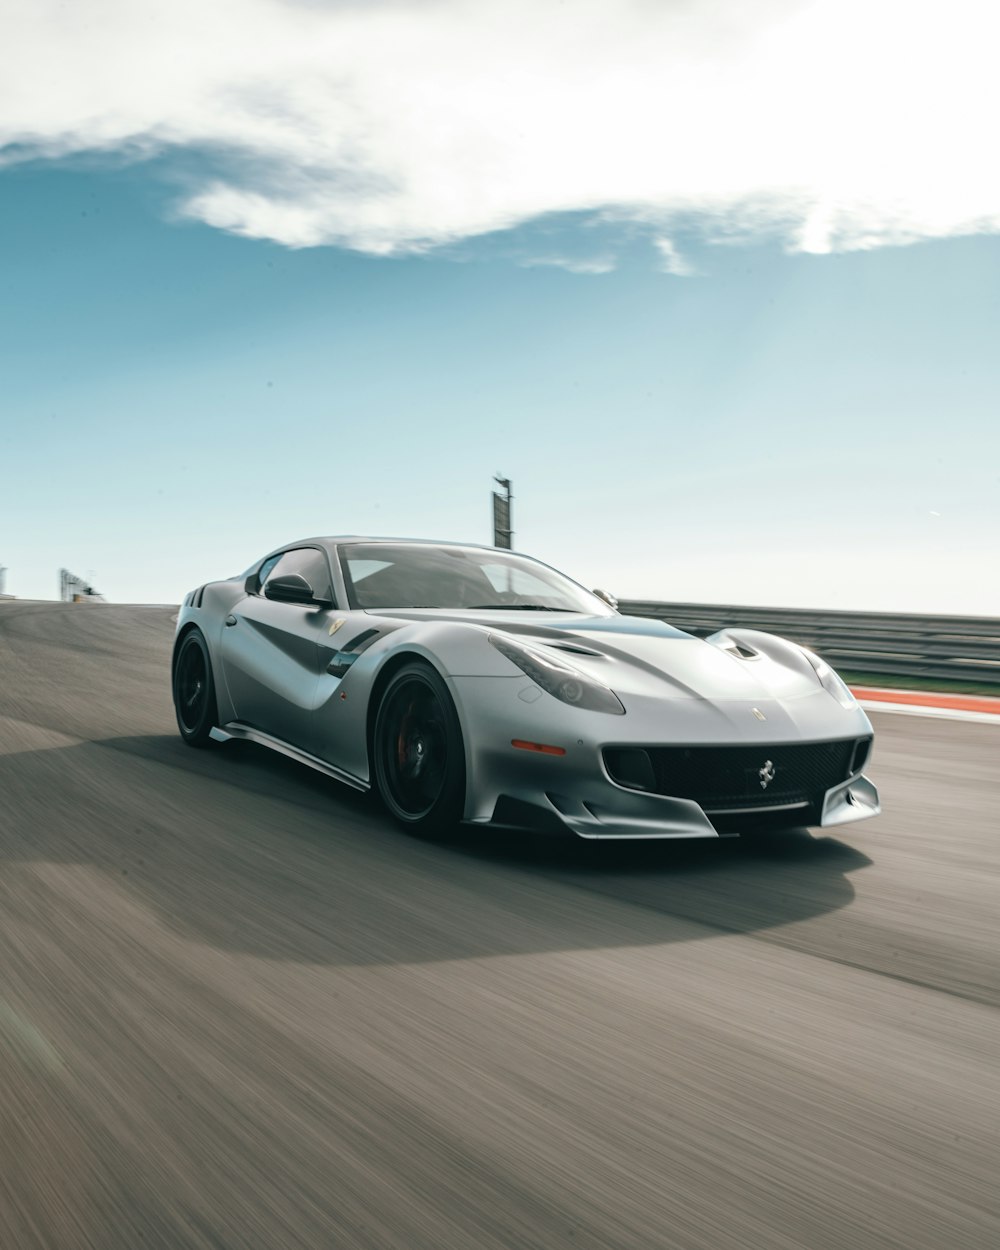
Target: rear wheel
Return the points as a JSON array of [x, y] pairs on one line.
[[194, 690], [419, 758]]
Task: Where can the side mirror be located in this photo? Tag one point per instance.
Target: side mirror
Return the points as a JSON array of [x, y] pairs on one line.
[[609, 599], [292, 588]]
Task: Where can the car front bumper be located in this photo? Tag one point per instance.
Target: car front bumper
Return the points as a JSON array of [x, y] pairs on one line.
[[573, 793]]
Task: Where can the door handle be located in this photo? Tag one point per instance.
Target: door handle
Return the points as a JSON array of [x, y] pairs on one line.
[[231, 620]]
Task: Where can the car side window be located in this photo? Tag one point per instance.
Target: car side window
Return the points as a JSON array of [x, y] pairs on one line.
[[265, 569], [308, 562]]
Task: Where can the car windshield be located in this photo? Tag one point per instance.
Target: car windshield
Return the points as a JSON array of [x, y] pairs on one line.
[[387, 575]]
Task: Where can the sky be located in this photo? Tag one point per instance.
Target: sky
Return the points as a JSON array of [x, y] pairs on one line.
[[715, 284]]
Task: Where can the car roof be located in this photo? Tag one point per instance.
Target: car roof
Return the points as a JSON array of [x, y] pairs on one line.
[[338, 539]]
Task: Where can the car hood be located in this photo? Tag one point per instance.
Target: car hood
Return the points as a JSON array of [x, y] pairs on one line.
[[632, 654]]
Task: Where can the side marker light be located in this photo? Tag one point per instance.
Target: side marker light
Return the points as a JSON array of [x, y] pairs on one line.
[[522, 745]]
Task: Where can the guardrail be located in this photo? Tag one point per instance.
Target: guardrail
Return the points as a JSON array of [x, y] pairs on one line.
[[960, 648]]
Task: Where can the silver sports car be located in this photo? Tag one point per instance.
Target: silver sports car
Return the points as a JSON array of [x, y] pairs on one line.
[[471, 684]]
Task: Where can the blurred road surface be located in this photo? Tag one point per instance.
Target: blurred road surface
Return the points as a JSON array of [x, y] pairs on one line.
[[238, 1008]]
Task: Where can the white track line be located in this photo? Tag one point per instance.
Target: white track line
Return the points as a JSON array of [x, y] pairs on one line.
[[947, 713]]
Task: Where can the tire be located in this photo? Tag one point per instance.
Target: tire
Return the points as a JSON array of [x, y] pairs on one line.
[[194, 690], [419, 756]]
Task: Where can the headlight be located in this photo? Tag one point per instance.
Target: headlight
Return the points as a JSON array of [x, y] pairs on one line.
[[829, 680], [559, 679]]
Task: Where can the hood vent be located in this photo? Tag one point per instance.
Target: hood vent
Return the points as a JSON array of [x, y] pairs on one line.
[[743, 651], [732, 646]]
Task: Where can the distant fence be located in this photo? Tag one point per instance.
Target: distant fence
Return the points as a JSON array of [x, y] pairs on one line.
[[73, 589], [963, 648]]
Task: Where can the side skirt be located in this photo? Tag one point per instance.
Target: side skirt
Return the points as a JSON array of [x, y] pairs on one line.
[[247, 734]]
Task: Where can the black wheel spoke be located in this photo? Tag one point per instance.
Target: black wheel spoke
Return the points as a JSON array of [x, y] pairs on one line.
[[418, 758], [192, 685], [414, 748], [193, 691]]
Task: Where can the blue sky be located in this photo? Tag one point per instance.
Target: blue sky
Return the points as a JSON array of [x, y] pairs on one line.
[[215, 339]]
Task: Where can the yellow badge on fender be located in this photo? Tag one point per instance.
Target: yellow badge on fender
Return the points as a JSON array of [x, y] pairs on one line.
[[335, 625]]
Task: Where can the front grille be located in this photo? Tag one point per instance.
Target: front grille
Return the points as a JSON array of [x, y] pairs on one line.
[[717, 778]]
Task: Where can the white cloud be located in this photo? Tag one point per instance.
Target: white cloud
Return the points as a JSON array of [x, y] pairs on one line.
[[574, 264], [831, 125], [673, 261]]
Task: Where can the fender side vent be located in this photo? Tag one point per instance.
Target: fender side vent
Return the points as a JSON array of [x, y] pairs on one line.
[[576, 648]]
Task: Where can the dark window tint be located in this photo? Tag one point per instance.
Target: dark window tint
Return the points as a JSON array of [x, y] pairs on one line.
[[384, 575], [265, 568], [309, 563]]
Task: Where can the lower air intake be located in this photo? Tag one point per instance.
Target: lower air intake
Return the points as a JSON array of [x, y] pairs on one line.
[[718, 778]]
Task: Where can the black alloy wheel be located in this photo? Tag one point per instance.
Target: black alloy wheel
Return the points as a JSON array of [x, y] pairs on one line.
[[419, 758], [194, 690]]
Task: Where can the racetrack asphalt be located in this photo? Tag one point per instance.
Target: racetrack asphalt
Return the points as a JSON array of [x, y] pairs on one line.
[[239, 1008]]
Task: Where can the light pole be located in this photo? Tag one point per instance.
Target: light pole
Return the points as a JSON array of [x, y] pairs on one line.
[[502, 532]]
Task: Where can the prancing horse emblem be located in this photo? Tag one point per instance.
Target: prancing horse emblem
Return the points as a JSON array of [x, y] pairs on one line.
[[766, 774]]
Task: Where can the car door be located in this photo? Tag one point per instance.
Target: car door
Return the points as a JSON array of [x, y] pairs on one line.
[[271, 649], [336, 734]]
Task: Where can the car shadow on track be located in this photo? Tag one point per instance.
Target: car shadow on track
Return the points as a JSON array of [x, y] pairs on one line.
[[245, 850]]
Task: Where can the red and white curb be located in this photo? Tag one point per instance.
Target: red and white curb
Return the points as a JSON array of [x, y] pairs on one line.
[[967, 707]]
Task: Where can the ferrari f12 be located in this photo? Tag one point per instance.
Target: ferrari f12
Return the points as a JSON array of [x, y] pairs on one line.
[[469, 684]]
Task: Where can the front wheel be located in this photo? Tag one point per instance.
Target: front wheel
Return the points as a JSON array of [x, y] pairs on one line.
[[419, 758], [194, 690]]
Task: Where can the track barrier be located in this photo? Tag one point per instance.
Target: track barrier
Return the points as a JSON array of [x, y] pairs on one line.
[[959, 648]]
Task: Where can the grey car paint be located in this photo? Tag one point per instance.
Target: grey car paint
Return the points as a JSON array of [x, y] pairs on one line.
[[286, 676]]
